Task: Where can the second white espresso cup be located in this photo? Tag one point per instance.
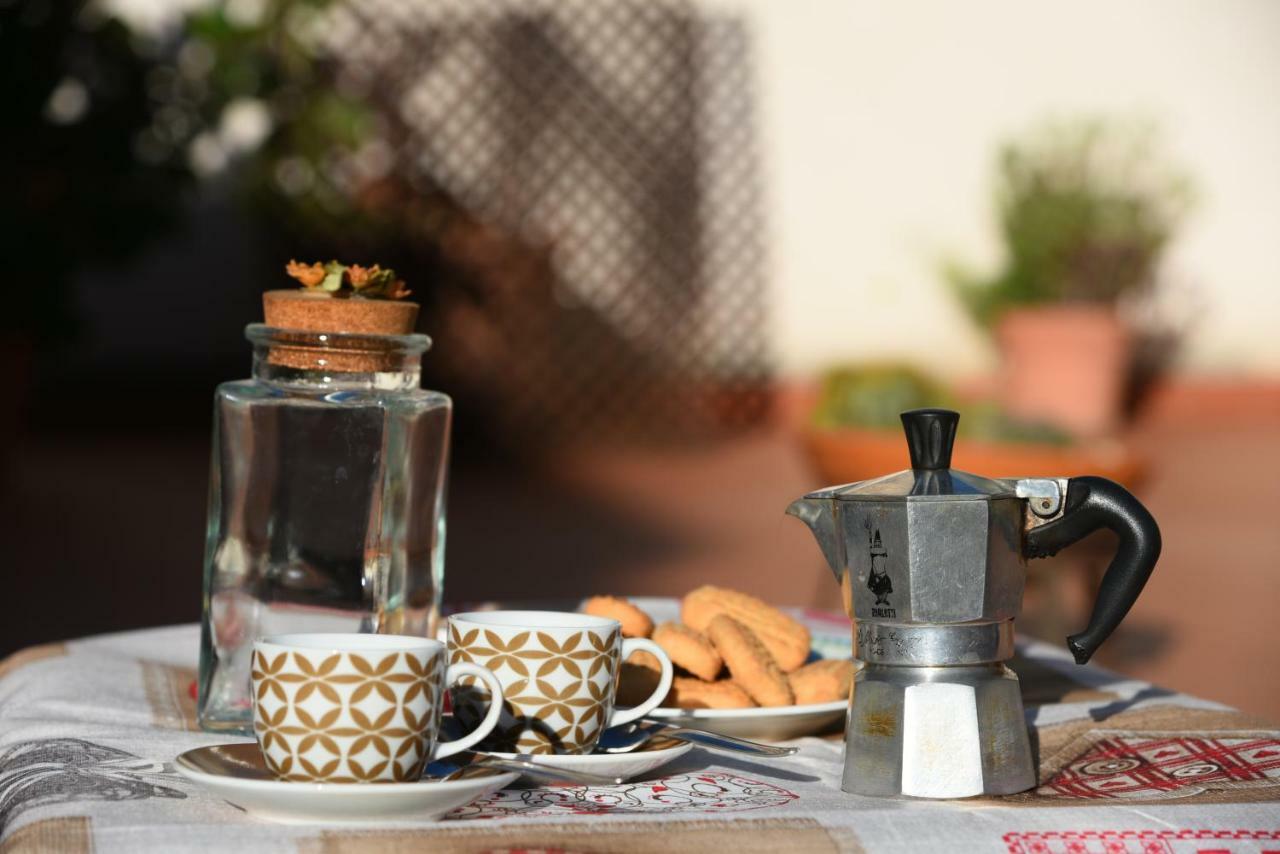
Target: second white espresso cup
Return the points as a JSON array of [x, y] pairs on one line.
[[559, 674]]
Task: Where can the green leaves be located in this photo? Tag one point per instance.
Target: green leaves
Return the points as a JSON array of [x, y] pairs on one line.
[[1085, 208], [347, 280], [872, 396], [334, 273]]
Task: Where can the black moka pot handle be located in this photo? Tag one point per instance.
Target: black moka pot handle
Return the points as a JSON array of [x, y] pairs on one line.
[[1093, 503]]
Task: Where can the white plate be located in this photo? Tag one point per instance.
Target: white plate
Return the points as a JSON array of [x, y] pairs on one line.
[[236, 773], [648, 757], [775, 723]]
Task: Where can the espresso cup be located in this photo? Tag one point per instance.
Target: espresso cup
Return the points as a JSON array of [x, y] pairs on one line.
[[357, 708], [559, 674]]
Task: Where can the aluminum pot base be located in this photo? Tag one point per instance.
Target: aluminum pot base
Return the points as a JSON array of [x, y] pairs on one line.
[[937, 732]]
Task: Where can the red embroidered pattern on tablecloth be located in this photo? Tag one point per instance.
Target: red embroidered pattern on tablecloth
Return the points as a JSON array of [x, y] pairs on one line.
[[707, 792], [1187, 841], [1126, 765]]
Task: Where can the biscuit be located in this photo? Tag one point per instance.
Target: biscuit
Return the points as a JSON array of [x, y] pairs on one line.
[[786, 639], [689, 693], [752, 666], [688, 649], [638, 678], [635, 623], [823, 681]]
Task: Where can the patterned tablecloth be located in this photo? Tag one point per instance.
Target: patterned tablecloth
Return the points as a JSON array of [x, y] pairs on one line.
[[89, 730]]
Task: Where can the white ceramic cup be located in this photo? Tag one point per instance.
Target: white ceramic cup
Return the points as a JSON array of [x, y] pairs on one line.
[[357, 708], [559, 673]]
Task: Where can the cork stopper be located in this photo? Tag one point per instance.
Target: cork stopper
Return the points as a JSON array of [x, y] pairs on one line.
[[311, 312]]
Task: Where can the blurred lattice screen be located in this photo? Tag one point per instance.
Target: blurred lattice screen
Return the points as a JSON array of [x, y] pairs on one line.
[[590, 172]]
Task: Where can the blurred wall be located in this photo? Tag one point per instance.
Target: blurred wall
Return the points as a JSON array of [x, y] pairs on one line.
[[881, 121]]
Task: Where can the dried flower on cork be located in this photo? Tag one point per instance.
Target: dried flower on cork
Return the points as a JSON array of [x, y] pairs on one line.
[[349, 280]]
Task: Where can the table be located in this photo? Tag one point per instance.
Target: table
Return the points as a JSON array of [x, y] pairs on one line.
[[89, 730]]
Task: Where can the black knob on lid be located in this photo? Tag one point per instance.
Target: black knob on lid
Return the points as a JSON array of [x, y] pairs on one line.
[[930, 435]]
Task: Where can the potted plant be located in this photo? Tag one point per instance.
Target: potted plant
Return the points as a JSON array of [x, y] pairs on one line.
[[855, 432], [1085, 212]]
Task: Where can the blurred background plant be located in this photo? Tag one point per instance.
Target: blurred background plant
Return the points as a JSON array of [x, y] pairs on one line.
[[248, 91], [266, 105], [871, 397], [1085, 208]]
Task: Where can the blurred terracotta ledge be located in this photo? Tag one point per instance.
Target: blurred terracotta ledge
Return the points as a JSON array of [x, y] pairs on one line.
[[1206, 400], [850, 454], [1203, 399], [843, 456]]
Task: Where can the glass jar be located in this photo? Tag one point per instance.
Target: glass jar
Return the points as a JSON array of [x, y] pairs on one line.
[[326, 502]]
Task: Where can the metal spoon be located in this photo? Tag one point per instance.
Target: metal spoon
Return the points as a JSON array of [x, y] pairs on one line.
[[529, 768], [629, 737]]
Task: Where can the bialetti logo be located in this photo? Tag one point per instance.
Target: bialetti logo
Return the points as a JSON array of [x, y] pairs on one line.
[[878, 582]]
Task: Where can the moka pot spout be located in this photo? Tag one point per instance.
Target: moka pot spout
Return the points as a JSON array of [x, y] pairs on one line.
[[818, 512]]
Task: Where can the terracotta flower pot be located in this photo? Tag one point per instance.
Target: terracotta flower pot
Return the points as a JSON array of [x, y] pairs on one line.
[[1065, 365]]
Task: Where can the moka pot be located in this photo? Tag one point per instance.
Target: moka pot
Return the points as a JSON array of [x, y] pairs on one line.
[[932, 563]]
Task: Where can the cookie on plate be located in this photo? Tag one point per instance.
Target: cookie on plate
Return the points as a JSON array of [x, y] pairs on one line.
[[688, 649], [786, 639], [750, 663], [823, 681], [635, 623], [687, 693]]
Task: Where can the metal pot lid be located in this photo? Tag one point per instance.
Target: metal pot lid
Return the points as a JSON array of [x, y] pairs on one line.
[[931, 434]]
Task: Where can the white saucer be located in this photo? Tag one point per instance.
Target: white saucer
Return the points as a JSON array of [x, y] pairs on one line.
[[768, 723], [651, 755], [236, 773]]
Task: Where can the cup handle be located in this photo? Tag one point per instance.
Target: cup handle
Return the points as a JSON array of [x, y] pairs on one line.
[[452, 675], [629, 646]]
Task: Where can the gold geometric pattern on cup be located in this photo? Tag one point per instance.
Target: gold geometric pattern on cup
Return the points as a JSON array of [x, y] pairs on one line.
[[508, 654], [526, 739], [319, 755], [549, 702], [602, 650], [538, 716], [386, 730], [269, 723], [565, 655], [460, 646], [596, 712]]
